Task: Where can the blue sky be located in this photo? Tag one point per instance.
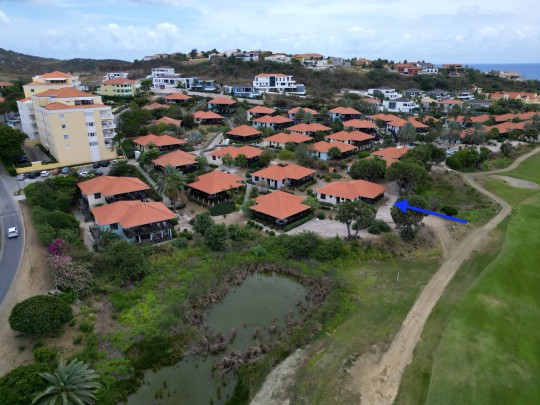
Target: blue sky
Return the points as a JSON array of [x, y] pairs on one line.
[[460, 31]]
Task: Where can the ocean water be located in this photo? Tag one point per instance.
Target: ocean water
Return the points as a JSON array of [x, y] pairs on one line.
[[530, 71]]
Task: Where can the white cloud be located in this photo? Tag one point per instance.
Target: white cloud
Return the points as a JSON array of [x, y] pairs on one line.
[[4, 17]]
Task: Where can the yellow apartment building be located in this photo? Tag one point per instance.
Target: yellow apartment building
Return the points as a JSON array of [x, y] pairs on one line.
[[47, 81], [119, 87], [75, 126]]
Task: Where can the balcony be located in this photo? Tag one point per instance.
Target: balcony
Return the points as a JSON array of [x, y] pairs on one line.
[[108, 134], [106, 125], [107, 116]]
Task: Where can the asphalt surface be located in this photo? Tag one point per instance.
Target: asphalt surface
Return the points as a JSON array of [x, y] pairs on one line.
[[11, 249]]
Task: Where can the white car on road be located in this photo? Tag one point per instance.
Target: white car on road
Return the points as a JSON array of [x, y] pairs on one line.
[[45, 173], [13, 232]]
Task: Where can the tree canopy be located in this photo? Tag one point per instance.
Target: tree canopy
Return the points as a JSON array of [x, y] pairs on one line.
[[368, 169], [407, 174], [11, 142], [356, 215]]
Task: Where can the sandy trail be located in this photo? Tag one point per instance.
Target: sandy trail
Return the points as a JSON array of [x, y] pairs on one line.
[[518, 183], [378, 378]]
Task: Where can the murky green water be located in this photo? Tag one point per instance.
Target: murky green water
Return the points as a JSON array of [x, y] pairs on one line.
[[255, 303]]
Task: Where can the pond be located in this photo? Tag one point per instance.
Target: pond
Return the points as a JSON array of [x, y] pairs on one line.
[[260, 301]]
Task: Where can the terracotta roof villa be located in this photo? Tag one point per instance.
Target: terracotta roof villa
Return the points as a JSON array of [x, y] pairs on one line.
[[107, 189], [221, 105], [207, 117], [282, 175], [163, 142], [309, 129], [362, 125], [214, 186], [279, 208], [357, 138], [292, 112], [354, 190], [259, 111], [168, 121], [183, 161], [154, 106], [243, 133], [282, 139], [321, 149], [135, 221], [276, 122], [250, 152], [391, 154], [177, 98], [343, 114]]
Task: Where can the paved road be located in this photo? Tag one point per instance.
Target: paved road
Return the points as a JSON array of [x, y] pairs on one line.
[[12, 249]]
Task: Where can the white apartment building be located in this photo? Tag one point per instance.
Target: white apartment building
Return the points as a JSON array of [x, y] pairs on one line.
[[279, 58], [115, 75], [402, 104], [277, 82], [388, 92]]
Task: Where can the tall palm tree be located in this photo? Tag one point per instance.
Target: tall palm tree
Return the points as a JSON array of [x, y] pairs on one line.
[[452, 133], [72, 383], [476, 135], [119, 139], [171, 182]]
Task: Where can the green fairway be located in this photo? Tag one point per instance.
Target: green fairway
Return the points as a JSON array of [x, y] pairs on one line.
[[489, 352]]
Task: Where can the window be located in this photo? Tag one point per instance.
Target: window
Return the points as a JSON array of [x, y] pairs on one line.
[[323, 196], [89, 124], [113, 226], [61, 115], [63, 126], [31, 90], [91, 134], [93, 143], [97, 196], [68, 146], [66, 136]]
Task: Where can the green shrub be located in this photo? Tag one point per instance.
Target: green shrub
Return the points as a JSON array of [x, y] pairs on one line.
[[321, 215], [390, 239], [86, 326], [293, 225], [258, 251], [378, 226], [328, 178], [180, 243], [363, 154], [335, 175], [19, 386], [329, 249], [42, 315], [216, 237], [449, 210], [186, 234], [47, 355], [222, 208]]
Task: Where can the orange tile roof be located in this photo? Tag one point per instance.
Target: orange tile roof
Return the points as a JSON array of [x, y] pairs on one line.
[[6, 84], [371, 100], [232, 151], [168, 120], [33, 84], [261, 109], [307, 110], [417, 124], [109, 185], [271, 74], [504, 117], [60, 106], [279, 172], [352, 189], [389, 160], [506, 127], [22, 100], [475, 120], [527, 115], [159, 140], [244, 130], [384, 117], [308, 55], [344, 111], [279, 204], [360, 124], [55, 75], [324, 147], [207, 115], [216, 182], [357, 136], [177, 158], [154, 106], [222, 101], [273, 119], [2, 99], [293, 137], [130, 214], [392, 152], [178, 96], [119, 80], [314, 127], [65, 92], [397, 122]]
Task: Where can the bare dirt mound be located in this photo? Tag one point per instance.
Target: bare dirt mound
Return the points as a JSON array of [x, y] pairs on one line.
[[517, 183]]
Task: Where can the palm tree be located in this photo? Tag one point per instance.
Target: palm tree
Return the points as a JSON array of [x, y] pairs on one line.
[[452, 133], [171, 182], [72, 383], [406, 134], [119, 139], [476, 135]]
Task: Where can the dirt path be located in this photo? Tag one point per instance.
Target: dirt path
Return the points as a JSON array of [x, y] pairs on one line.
[[378, 379], [518, 183], [32, 279]]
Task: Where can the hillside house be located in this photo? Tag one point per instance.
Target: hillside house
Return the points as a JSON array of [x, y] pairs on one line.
[[279, 208], [283, 175], [108, 189], [354, 190]]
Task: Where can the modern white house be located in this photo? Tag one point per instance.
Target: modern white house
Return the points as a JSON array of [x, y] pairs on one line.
[[388, 92], [402, 104], [279, 58], [115, 75], [278, 83]]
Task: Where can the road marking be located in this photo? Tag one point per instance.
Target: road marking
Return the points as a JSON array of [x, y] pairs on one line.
[[9, 214]]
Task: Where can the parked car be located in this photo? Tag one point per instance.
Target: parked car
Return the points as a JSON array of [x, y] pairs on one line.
[[96, 173], [21, 159], [84, 174], [21, 176], [105, 163], [32, 175], [45, 173], [56, 171], [65, 170], [13, 232], [96, 165]]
